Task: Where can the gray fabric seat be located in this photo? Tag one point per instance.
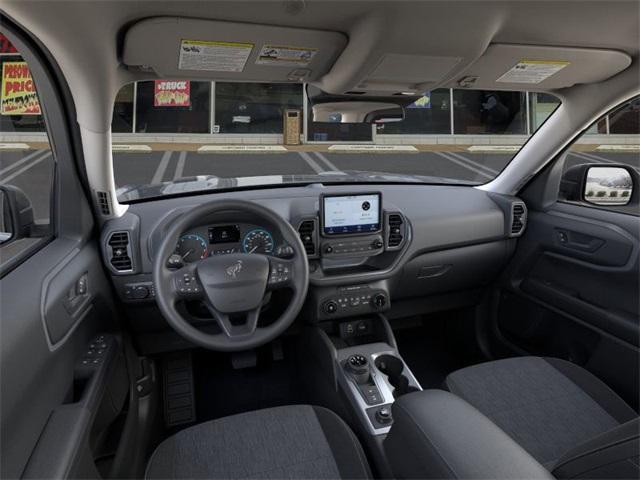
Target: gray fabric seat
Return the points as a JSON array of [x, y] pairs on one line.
[[549, 406], [298, 441]]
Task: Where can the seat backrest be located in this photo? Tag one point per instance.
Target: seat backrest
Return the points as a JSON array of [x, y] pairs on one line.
[[613, 454]]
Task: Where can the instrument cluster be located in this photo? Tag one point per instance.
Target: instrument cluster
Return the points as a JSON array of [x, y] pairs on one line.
[[207, 241]]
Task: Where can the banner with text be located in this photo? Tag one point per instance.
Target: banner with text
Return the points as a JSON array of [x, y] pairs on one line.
[[171, 94], [19, 95]]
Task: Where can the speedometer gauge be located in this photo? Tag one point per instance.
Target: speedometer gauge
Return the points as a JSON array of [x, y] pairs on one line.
[[258, 241], [192, 247]]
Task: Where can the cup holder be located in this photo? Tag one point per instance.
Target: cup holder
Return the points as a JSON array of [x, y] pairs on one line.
[[393, 367]]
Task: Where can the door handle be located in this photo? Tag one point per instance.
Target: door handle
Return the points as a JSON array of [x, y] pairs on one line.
[[78, 295], [578, 241]]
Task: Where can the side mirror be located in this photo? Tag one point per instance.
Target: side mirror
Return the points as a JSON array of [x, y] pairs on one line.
[[600, 184], [608, 186], [16, 214]]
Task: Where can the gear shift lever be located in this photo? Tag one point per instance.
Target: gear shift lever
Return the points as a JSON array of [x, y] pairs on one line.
[[358, 366]]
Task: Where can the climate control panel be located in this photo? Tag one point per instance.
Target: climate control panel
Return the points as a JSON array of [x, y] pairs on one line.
[[366, 246], [354, 300]]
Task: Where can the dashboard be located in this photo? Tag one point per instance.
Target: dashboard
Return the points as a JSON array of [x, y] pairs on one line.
[[398, 249]]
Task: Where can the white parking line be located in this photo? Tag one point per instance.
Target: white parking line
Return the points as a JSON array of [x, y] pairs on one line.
[[311, 162], [472, 162], [162, 167], [327, 162], [25, 168], [24, 159], [14, 146], [180, 165], [465, 165]]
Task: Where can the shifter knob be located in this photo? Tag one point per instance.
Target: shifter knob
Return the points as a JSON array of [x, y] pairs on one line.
[[358, 366]]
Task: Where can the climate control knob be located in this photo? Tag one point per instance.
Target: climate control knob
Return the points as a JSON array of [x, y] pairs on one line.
[[379, 301], [330, 307]]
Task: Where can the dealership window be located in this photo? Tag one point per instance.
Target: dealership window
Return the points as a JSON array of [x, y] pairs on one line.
[[431, 114], [254, 107], [122, 121], [20, 113], [626, 119], [541, 106], [173, 107], [487, 112]]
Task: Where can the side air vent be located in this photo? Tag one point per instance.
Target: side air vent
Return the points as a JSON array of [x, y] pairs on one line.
[[119, 251], [518, 218], [104, 203], [307, 231], [396, 231]]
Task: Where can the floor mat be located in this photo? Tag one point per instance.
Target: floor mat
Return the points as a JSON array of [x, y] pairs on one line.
[[435, 348], [222, 391]]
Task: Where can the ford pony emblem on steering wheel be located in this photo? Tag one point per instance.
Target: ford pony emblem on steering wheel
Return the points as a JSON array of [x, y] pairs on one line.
[[234, 269]]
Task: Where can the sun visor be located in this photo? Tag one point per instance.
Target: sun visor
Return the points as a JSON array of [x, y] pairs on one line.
[[540, 68], [190, 48]]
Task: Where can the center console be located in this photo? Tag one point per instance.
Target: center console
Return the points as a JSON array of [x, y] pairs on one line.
[[373, 376], [359, 372]]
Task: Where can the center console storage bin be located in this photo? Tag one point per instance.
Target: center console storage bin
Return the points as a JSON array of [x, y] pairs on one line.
[[436, 434]]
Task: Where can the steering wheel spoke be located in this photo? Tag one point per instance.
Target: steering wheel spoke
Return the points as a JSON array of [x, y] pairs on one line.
[[281, 273], [235, 330], [185, 284]]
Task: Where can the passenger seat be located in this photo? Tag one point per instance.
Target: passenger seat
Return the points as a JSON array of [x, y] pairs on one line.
[[561, 414]]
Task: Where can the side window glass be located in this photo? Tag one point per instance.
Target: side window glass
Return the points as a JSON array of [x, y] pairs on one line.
[[27, 165], [603, 166]]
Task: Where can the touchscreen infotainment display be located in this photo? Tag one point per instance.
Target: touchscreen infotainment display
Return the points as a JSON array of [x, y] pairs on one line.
[[351, 213]]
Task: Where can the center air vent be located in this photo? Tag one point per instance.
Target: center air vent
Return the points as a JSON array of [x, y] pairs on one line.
[[518, 218], [119, 251], [395, 231], [307, 231]]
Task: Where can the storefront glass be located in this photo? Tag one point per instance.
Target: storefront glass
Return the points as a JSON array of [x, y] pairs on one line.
[[254, 107], [626, 120], [188, 113], [20, 111], [486, 112], [122, 121]]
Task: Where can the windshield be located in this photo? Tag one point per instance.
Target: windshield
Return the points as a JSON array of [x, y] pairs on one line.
[[172, 137]]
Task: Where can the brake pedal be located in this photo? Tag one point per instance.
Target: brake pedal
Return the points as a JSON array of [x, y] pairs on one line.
[[179, 399]]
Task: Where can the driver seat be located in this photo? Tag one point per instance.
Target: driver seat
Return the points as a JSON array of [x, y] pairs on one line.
[[297, 441]]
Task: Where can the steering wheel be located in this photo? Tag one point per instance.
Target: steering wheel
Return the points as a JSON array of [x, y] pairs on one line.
[[233, 286]]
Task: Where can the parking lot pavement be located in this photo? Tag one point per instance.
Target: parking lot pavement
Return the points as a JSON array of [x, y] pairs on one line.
[[31, 169], [156, 167]]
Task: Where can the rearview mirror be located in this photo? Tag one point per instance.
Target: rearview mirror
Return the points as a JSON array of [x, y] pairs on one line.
[[16, 214], [335, 108], [357, 112], [608, 186]]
